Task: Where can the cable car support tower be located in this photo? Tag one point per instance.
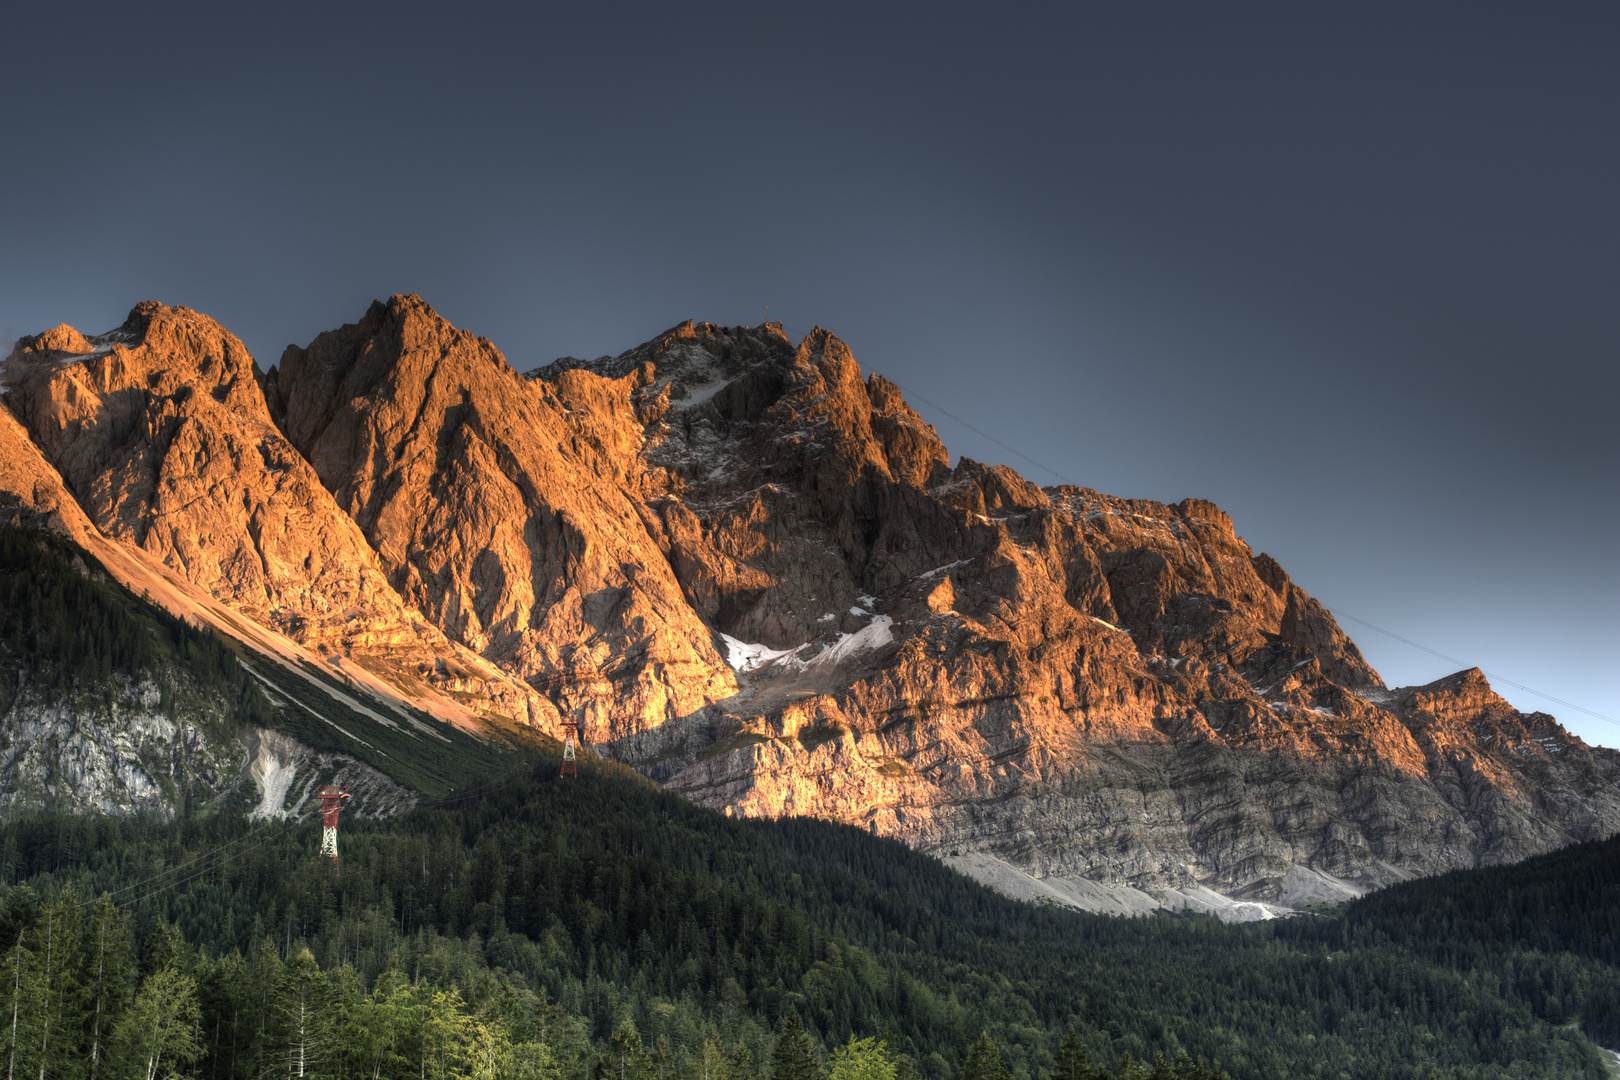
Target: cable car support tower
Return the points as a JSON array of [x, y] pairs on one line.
[[331, 804], [570, 762]]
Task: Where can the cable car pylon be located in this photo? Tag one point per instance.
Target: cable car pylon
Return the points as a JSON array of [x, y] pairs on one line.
[[331, 804], [570, 761]]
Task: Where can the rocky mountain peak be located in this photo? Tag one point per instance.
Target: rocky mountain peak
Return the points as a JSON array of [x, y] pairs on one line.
[[748, 567], [59, 338]]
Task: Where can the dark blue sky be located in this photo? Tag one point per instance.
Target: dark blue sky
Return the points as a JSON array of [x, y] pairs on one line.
[[1351, 273]]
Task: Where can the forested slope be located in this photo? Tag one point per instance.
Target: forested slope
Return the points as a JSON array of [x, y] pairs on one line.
[[556, 910], [107, 700]]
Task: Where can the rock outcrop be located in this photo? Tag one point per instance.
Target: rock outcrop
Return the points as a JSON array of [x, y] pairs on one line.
[[1080, 685], [504, 511], [161, 431], [751, 570]]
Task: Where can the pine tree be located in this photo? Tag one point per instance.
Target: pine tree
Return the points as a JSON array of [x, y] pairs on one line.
[[1073, 1063], [984, 1061], [742, 1062], [794, 1057], [445, 1030], [52, 982], [160, 1027], [107, 962], [626, 1059], [301, 1008], [709, 1061], [20, 1024], [163, 947], [861, 1059]]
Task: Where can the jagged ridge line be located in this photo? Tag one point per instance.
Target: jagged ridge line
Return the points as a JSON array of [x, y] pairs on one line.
[[1499, 678], [977, 431], [1337, 613]]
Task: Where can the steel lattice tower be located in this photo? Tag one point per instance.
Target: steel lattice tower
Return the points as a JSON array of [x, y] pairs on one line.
[[331, 803], [570, 764]]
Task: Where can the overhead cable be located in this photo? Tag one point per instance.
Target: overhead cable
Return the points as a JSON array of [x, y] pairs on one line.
[[1343, 615], [1463, 663]]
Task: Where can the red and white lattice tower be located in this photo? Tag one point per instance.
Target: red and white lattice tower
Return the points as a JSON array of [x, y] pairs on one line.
[[570, 765], [331, 803]]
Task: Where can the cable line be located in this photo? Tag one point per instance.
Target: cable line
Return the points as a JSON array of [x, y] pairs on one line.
[[1340, 614], [977, 431], [288, 827], [1463, 663], [193, 862]]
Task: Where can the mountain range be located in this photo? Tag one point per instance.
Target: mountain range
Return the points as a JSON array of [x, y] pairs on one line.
[[747, 569]]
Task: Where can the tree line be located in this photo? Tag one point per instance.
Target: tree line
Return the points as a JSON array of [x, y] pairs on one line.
[[605, 901], [78, 1004]]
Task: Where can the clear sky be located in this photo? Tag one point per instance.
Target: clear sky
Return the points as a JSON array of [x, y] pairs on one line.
[[1351, 271]]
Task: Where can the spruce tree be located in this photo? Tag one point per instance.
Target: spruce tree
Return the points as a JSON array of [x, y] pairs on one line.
[[301, 1008], [984, 1061], [1073, 1063], [106, 962], [795, 1055], [626, 1059], [160, 1028], [53, 986]]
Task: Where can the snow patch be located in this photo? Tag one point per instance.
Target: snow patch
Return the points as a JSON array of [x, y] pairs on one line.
[[746, 656], [874, 635], [699, 394], [274, 778]]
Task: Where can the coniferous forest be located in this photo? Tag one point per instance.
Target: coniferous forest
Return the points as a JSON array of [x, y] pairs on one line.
[[593, 925], [596, 928]]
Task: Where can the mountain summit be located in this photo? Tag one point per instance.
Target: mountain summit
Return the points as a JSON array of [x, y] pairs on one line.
[[752, 572]]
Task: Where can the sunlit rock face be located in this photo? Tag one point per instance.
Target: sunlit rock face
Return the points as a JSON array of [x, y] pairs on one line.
[[749, 568], [1081, 685], [162, 433], [507, 512]]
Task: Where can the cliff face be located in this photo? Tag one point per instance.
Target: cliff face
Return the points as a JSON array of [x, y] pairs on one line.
[[753, 572], [505, 512], [162, 433], [1079, 685]]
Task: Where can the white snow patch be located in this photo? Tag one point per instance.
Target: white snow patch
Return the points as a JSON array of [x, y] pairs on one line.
[[867, 602], [746, 656], [857, 612], [874, 635], [699, 394], [1108, 624], [938, 570]]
